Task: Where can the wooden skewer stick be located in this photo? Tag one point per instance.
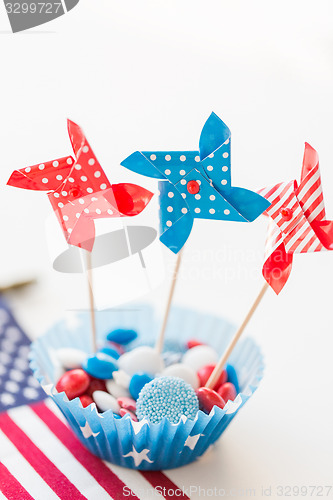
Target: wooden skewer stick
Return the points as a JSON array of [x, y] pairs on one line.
[[89, 275], [160, 338], [211, 382]]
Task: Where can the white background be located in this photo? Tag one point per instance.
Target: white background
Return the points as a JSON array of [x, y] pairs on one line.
[[141, 74]]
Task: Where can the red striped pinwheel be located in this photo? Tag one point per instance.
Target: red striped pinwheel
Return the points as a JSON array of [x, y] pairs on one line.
[[80, 192], [298, 221]]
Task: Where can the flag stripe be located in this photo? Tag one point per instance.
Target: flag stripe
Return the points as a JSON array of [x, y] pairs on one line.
[[104, 476], [54, 450], [10, 487], [47, 470], [23, 471], [157, 478]]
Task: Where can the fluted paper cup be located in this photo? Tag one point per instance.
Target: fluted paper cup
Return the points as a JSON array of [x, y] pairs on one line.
[[143, 445]]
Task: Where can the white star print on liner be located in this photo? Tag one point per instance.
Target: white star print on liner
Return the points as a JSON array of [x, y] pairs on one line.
[[138, 457]]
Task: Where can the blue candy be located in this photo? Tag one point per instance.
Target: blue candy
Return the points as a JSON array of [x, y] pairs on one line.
[[110, 352], [100, 365], [168, 397], [121, 336], [232, 377], [138, 380]]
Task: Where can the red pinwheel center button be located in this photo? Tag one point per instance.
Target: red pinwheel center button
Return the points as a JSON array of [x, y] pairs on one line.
[[286, 213], [193, 187], [74, 192]]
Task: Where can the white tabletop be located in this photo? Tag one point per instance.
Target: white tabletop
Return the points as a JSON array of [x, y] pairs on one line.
[[146, 75]]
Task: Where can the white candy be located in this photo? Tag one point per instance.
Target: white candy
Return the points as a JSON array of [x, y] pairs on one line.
[[71, 358], [200, 356], [105, 401], [117, 390], [142, 359], [182, 371], [122, 378]]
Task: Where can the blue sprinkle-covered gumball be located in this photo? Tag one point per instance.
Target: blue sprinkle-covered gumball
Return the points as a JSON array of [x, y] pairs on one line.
[[121, 336], [110, 352], [232, 377], [138, 380], [100, 365], [168, 397]]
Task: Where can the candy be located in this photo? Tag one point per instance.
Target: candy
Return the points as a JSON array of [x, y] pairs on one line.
[[208, 399], [121, 336], [137, 382], [232, 377], [115, 389], [170, 358], [184, 372], [122, 378], [86, 400], [200, 356], [227, 391], [124, 412], [168, 397], [96, 385], [205, 372], [105, 401], [193, 343], [127, 404], [100, 365], [141, 359], [71, 358], [117, 347], [110, 351], [73, 383]]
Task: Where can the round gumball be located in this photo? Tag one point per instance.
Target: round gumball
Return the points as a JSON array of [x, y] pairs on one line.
[[122, 336], [200, 356], [73, 383], [142, 359], [193, 343], [205, 372], [184, 372], [127, 404], [227, 391], [100, 365], [168, 397], [124, 412], [232, 376], [208, 399], [105, 401], [85, 400], [115, 346], [115, 389], [71, 358], [137, 382]]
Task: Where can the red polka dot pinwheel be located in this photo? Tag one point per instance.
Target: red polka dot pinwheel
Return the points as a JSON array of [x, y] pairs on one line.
[[298, 221], [80, 192]]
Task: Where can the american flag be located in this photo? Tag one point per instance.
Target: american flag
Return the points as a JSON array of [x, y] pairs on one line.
[[40, 457], [297, 221]]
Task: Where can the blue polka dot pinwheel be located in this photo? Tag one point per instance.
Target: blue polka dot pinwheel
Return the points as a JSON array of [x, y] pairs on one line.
[[197, 184]]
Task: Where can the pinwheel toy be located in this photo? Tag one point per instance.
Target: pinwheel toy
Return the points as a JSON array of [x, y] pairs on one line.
[[297, 221], [79, 190], [197, 184]]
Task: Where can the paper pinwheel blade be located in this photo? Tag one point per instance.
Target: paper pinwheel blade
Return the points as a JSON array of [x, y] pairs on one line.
[[197, 184]]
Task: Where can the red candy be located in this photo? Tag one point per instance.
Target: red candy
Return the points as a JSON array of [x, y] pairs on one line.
[[124, 412], [193, 343], [227, 391], [86, 400], [209, 398], [116, 347], [205, 372], [96, 384], [73, 383], [127, 404]]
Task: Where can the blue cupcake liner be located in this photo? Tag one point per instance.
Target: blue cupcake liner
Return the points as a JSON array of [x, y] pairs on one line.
[[142, 445]]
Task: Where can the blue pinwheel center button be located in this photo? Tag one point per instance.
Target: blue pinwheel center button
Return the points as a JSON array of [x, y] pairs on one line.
[[193, 187], [286, 213]]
